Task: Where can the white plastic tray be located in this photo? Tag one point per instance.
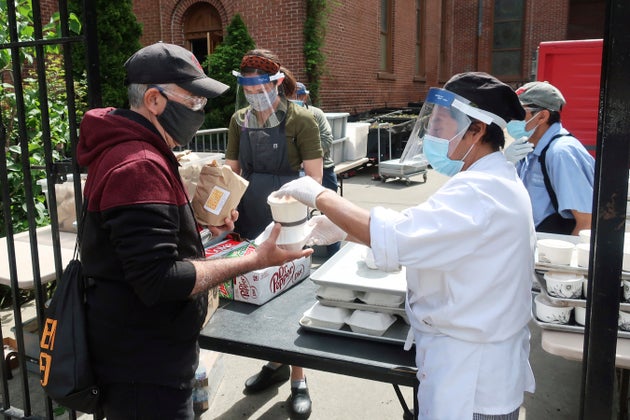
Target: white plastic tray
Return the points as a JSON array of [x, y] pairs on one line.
[[346, 269], [574, 328], [400, 311], [395, 334], [623, 305]]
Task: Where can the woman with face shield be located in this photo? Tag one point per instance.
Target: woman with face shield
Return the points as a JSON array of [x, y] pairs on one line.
[[468, 252], [269, 140]]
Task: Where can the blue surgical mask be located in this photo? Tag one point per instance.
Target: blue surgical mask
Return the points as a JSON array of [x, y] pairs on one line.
[[516, 129], [297, 102], [435, 150], [262, 101]]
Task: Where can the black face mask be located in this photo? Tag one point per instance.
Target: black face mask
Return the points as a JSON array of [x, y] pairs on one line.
[[180, 122]]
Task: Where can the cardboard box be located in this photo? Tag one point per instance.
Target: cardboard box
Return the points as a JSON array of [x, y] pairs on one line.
[[213, 303], [260, 286], [228, 248], [257, 286], [225, 247], [30, 331], [64, 194], [226, 289]]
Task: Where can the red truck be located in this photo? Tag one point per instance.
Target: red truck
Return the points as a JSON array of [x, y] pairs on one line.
[[574, 67]]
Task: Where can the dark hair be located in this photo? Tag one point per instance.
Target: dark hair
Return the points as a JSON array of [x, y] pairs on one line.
[[554, 117], [493, 136], [288, 84]]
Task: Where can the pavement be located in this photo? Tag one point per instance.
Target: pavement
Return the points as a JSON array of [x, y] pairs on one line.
[[342, 397], [338, 396]]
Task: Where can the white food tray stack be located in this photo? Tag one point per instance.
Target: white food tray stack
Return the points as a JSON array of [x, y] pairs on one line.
[[374, 298]]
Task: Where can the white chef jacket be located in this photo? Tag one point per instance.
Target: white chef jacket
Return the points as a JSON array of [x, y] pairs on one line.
[[469, 257]]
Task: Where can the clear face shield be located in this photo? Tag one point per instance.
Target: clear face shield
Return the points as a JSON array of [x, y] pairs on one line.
[[258, 104], [441, 124]]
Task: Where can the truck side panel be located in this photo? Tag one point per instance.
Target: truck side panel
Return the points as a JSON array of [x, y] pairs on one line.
[[574, 67]]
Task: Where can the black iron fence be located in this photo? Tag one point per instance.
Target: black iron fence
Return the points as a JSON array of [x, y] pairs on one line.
[[40, 108]]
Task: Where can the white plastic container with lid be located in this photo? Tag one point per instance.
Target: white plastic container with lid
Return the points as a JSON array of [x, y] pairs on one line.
[[338, 122], [322, 316], [356, 145], [369, 322]]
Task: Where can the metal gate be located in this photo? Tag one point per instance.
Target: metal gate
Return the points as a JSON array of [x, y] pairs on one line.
[[38, 60]]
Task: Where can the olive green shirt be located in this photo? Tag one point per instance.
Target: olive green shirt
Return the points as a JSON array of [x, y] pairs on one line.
[[301, 131]]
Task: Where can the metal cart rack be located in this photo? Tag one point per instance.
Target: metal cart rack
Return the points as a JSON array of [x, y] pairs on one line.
[[393, 168]]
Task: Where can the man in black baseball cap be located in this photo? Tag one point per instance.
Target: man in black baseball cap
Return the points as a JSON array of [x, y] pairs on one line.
[[141, 247], [167, 63], [470, 330]]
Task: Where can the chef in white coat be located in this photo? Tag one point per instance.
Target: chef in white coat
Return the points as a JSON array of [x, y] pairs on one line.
[[468, 252]]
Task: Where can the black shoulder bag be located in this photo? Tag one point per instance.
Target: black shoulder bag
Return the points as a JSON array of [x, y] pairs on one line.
[[554, 223], [65, 366]]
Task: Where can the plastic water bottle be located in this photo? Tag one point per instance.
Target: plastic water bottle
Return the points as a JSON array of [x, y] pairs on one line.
[[200, 390]]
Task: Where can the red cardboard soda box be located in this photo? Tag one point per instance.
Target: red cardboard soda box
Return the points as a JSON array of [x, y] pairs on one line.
[[259, 286]]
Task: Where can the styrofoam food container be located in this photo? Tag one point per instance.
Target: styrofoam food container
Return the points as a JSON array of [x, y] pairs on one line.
[[287, 209], [555, 251], [381, 299], [369, 322], [624, 320], [336, 293], [585, 236], [625, 266], [580, 315], [564, 285], [583, 251], [626, 290], [323, 316], [551, 312], [292, 238]]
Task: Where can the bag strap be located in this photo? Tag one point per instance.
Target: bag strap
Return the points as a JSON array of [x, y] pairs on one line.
[[543, 167], [80, 224]]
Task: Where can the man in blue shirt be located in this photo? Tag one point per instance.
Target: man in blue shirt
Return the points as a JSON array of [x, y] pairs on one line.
[[559, 172]]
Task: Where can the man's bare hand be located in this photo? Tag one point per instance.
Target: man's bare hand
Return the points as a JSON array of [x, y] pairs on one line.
[[227, 227]]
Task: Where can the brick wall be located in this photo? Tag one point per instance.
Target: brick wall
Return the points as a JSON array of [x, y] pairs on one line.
[[352, 82]]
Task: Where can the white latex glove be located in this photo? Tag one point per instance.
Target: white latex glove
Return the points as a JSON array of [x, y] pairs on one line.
[[304, 189], [518, 150], [323, 231]]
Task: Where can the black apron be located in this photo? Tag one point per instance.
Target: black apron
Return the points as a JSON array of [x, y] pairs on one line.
[[264, 160]]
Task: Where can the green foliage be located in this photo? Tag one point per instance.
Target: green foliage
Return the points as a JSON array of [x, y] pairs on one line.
[[118, 34], [317, 12], [58, 118], [227, 57], [57, 109]]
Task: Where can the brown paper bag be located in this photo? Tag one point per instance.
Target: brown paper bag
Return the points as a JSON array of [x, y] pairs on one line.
[[218, 192]]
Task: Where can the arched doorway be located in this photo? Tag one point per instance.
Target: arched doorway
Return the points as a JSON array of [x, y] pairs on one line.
[[202, 30]]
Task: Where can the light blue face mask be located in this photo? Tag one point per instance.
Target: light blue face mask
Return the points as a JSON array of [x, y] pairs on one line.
[[516, 129], [297, 102], [435, 150], [262, 101]]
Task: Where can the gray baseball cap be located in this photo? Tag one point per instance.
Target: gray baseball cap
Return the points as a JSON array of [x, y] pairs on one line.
[[162, 63], [541, 94]]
